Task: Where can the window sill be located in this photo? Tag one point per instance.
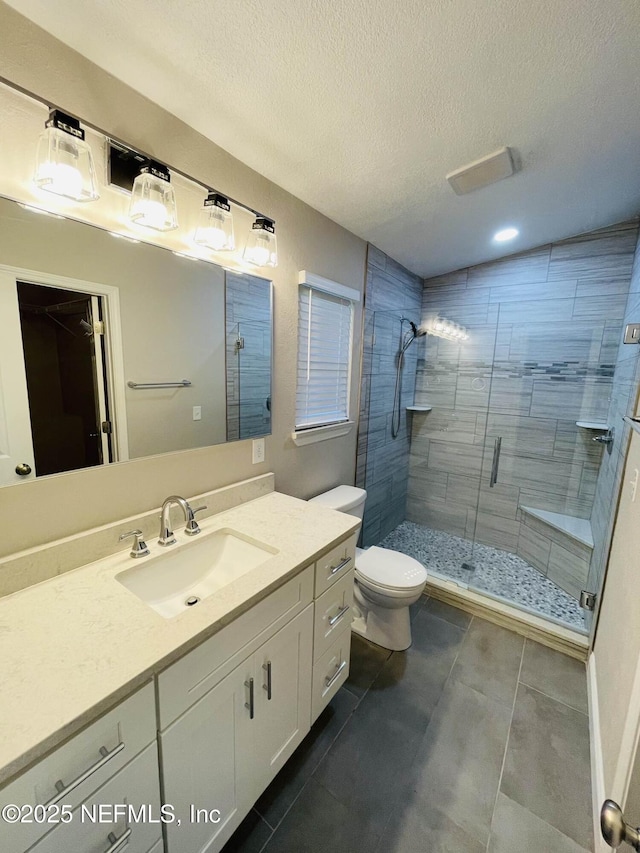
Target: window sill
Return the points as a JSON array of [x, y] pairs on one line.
[[321, 433]]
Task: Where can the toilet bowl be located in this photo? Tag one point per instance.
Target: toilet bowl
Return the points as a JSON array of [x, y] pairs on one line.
[[386, 582]]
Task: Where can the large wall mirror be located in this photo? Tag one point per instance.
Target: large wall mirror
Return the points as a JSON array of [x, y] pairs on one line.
[[112, 350]]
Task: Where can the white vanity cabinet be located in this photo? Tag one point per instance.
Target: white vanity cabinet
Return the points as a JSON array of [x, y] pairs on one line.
[[222, 752], [334, 578], [219, 725], [97, 828], [75, 771]]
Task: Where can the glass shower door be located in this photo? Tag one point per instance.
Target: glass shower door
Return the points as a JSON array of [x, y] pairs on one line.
[[447, 435], [550, 385]]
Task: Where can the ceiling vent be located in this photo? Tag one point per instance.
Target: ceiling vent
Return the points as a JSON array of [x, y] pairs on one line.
[[487, 170]]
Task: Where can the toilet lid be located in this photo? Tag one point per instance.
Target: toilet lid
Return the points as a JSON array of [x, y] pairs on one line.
[[390, 569]]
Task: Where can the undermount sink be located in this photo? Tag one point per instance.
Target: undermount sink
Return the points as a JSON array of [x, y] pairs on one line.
[[178, 580]]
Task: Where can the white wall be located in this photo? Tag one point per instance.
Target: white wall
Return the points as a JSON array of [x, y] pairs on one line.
[[52, 507]]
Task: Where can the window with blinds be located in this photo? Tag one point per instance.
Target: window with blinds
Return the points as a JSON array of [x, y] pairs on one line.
[[325, 325]]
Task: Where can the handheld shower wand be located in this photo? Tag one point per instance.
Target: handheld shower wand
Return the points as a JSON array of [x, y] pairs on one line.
[[405, 342]]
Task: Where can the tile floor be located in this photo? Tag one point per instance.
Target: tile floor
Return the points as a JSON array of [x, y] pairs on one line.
[[497, 572], [472, 741]]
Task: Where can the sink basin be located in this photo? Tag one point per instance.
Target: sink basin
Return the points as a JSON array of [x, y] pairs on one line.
[[178, 580]]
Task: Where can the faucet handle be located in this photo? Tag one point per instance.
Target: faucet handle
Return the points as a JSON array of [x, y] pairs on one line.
[[139, 547], [191, 527]]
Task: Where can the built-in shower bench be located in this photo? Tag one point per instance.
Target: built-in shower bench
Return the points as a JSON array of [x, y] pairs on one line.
[[558, 545]]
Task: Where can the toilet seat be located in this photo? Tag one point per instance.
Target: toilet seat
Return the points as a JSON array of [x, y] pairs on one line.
[[390, 571]]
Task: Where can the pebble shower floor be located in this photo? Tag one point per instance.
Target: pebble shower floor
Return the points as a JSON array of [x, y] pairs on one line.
[[499, 573]]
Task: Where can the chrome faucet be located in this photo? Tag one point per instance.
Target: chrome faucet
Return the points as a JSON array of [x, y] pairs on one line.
[[191, 525]]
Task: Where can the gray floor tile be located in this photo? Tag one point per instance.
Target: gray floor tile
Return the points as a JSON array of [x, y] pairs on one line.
[[555, 674], [416, 828], [250, 837], [448, 613], [367, 765], [281, 793], [457, 767], [489, 661], [367, 660], [410, 684], [516, 828], [318, 823], [547, 764]]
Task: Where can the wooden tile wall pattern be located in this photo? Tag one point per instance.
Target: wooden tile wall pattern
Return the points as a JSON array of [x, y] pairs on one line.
[[382, 464], [544, 351]]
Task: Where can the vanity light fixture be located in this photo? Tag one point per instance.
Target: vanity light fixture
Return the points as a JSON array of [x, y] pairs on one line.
[[215, 230], [505, 235], [153, 199], [443, 328], [261, 248], [64, 164]]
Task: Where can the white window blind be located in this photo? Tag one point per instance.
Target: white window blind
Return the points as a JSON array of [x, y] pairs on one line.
[[324, 358]]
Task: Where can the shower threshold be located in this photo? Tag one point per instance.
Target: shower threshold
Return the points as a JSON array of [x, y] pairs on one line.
[[498, 574]]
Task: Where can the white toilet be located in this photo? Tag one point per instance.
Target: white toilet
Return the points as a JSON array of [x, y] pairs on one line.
[[386, 582]]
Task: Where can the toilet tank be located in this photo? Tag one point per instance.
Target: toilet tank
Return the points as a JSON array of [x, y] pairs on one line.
[[347, 499]]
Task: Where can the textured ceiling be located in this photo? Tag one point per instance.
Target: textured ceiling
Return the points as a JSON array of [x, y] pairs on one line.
[[361, 108]]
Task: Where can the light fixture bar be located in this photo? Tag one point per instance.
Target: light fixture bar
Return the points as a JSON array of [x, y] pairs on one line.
[[140, 156]]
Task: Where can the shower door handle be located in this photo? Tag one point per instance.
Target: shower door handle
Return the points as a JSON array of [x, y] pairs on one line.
[[496, 462]]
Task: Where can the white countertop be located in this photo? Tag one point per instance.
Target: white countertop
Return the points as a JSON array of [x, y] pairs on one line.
[[73, 646]]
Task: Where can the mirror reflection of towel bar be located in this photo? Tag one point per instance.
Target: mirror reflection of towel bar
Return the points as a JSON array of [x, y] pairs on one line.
[[183, 383]]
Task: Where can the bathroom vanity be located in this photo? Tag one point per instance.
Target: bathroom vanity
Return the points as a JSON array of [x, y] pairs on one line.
[[107, 702]]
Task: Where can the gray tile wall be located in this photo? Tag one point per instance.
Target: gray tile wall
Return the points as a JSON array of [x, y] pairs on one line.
[[391, 292], [623, 402], [248, 317], [544, 332]]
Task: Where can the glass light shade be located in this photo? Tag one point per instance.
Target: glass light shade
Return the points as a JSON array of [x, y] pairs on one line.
[[215, 230], [64, 166], [261, 248], [153, 203]]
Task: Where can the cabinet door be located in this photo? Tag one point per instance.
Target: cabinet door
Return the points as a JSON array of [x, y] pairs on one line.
[[283, 697], [207, 764]]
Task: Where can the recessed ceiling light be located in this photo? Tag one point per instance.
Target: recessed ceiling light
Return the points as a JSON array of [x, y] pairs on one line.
[[505, 234]]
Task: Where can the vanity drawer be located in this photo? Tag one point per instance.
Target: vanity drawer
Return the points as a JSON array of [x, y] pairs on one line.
[[333, 612], [187, 680], [95, 828], [330, 673], [335, 564], [82, 764]]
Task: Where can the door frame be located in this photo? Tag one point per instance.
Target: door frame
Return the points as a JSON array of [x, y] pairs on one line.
[[112, 339], [629, 752]]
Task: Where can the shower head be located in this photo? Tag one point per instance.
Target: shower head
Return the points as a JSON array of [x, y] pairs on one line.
[[417, 331]]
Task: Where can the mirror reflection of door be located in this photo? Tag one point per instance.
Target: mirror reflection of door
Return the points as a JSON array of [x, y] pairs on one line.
[[60, 352], [63, 358]]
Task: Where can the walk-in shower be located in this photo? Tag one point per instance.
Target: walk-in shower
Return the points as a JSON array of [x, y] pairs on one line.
[[482, 456]]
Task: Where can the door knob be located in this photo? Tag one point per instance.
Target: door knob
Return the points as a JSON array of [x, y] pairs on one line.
[[23, 469], [614, 829]]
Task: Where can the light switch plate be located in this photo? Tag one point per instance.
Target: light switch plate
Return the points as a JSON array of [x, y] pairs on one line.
[[258, 450], [197, 413]]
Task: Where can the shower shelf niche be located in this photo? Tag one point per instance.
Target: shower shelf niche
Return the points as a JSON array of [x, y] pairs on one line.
[[419, 408], [596, 425]]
